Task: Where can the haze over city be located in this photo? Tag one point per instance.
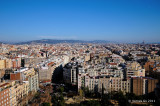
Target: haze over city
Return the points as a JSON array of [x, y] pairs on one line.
[[128, 21]]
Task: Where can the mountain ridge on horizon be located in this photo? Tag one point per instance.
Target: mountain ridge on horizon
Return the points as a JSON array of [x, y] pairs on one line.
[[56, 41]]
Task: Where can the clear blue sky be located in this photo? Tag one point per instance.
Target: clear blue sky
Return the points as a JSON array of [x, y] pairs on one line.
[[114, 20]]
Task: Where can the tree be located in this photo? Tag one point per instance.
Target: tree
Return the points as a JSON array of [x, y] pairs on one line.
[[104, 98], [55, 100], [45, 104], [61, 89], [81, 93], [90, 103], [86, 91], [37, 95], [102, 90], [61, 101], [58, 100]]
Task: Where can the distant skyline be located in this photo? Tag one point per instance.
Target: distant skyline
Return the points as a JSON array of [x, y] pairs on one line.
[[128, 21]]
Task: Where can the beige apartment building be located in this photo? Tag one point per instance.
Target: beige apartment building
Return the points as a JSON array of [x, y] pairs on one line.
[[2, 72], [134, 69], [113, 84], [131, 73], [46, 71], [8, 63], [22, 90], [105, 82], [12, 93], [126, 86], [13, 100], [2, 64], [154, 58]]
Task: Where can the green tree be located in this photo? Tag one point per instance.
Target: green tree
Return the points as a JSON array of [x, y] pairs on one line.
[[61, 101], [90, 103], [104, 98], [58, 100], [45, 104], [81, 93], [61, 89], [54, 100]]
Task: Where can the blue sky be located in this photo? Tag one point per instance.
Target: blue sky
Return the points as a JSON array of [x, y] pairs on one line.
[[113, 20]]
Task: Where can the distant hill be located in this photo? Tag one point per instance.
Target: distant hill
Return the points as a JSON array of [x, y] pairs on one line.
[[53, 41]]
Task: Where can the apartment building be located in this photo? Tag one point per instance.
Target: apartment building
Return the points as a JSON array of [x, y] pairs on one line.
[[134, 69], [16, 62], [113, 84], [46, 71], [27, 74], [4, 94], [12, 92], [130, 73], [90, 82], [8, 64], [70, 73], [105, 82], [2, 64], [33, 82], [2, 72], [18, 91], [126, 85], [143, 85]]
